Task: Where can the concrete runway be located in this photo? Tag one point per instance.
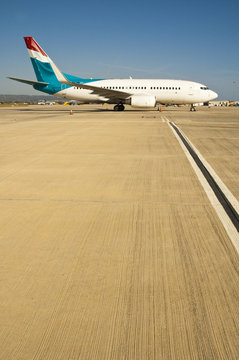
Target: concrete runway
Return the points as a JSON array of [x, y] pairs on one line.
[[109, 246]]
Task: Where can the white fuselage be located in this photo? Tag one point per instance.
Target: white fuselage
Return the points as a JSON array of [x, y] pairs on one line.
[[165, 91]]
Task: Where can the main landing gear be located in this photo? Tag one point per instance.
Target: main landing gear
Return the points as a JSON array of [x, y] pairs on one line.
[[119, 107], [192, 108]]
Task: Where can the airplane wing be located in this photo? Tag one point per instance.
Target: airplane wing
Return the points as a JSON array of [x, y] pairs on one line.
[[107, 93], [29, 82]]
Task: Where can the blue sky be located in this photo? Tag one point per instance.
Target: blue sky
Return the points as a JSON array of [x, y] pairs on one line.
[[191, 40]]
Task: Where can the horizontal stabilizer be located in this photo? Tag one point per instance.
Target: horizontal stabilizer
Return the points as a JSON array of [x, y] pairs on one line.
[[29, 82]]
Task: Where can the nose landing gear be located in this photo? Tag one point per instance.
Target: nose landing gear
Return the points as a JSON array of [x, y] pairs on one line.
[[192, 108]]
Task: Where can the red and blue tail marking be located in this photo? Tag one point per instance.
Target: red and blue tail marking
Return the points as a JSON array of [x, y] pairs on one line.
[[45, 70]]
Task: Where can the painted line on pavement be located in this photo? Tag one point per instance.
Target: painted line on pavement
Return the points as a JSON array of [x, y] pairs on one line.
[[223, 201]]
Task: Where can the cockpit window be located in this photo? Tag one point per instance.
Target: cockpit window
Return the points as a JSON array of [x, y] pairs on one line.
[[204, 87]]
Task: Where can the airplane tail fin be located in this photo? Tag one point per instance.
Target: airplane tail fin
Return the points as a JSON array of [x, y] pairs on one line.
[[41, 62]]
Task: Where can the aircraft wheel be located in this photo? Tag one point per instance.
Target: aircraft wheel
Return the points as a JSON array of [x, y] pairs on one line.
[[119, 107]]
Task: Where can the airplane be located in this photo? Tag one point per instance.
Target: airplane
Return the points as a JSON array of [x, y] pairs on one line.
[[145, 93]]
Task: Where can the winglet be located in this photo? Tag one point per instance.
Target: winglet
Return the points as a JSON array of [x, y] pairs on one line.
[[60, 77]]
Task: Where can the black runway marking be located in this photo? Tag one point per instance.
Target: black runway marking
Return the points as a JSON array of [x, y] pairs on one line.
[[231, 212]]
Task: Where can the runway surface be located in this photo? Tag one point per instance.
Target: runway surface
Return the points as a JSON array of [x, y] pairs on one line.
[[109, 245]]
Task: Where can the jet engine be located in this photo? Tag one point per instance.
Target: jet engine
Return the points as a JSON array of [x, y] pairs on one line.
[[143, 101]]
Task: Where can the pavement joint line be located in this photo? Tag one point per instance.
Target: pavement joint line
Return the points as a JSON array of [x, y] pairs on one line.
[[231, 225], [163, 203]]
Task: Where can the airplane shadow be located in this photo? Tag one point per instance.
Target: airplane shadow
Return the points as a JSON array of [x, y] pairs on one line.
[[100, 110]]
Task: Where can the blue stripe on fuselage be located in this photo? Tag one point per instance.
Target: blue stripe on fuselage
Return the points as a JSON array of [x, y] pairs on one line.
[[73, 78], [45, 73]]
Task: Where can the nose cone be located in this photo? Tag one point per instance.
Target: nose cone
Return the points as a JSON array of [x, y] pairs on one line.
[[212, 95]]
